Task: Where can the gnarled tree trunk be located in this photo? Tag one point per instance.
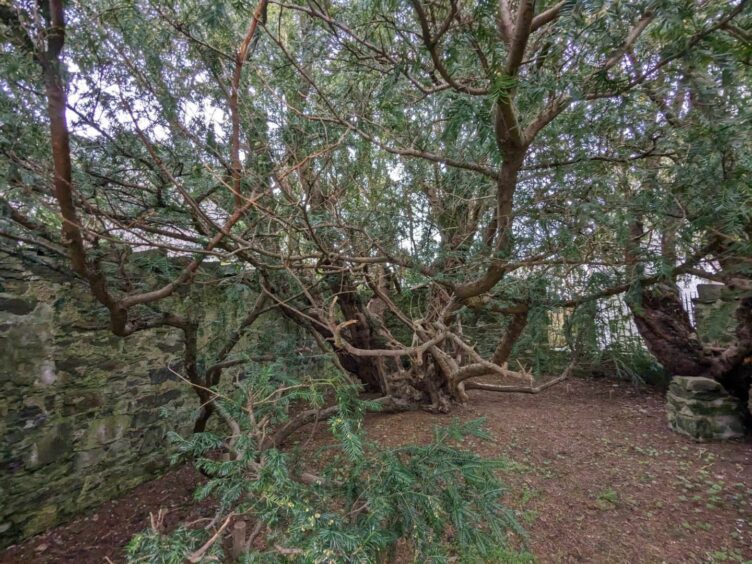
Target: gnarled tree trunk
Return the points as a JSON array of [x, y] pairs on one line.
[[669, 335]]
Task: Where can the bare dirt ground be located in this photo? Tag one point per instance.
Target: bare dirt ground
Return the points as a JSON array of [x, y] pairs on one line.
[[595, 476]]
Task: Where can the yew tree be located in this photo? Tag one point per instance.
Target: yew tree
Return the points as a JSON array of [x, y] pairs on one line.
[[383, 173]]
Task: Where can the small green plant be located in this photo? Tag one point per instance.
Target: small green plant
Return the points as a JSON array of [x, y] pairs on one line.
[[608, 498], [726, 556], [499, 555], [441, 500], [157, 548]]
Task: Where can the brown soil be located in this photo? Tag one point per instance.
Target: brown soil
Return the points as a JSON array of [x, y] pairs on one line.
[[596, 477]]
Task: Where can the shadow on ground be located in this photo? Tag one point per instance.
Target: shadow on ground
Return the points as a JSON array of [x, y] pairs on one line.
[[596, 476]]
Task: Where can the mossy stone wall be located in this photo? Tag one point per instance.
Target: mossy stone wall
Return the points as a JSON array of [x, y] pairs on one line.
[[715, 313], [83, 413]]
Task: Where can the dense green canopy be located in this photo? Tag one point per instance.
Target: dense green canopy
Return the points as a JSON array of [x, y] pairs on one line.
[[502, 156], [384, 174]]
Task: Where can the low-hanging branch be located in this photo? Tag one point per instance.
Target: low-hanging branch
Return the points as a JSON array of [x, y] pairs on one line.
[[521, 389]]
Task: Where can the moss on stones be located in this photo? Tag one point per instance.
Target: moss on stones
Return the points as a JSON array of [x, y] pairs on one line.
[[700, 408], [80, 409]]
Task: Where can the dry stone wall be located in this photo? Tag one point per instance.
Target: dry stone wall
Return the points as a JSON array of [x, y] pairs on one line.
[[83, 413], [700, 408], [715, 311]]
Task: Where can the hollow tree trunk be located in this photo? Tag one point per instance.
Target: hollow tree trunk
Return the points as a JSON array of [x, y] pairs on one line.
[[362, 335], [365, 370]]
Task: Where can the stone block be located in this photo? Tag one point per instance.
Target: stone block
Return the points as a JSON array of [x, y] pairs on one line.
[[90, 457], [82, 401], [700, 408], [695, 384], [162, 375], [708, 428], [106, 430], [54, 444], [703, 407], [17, 306], [43, 519]]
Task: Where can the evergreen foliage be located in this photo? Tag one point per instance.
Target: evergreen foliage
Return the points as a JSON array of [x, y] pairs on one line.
[[439, 499], [420, 186]]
